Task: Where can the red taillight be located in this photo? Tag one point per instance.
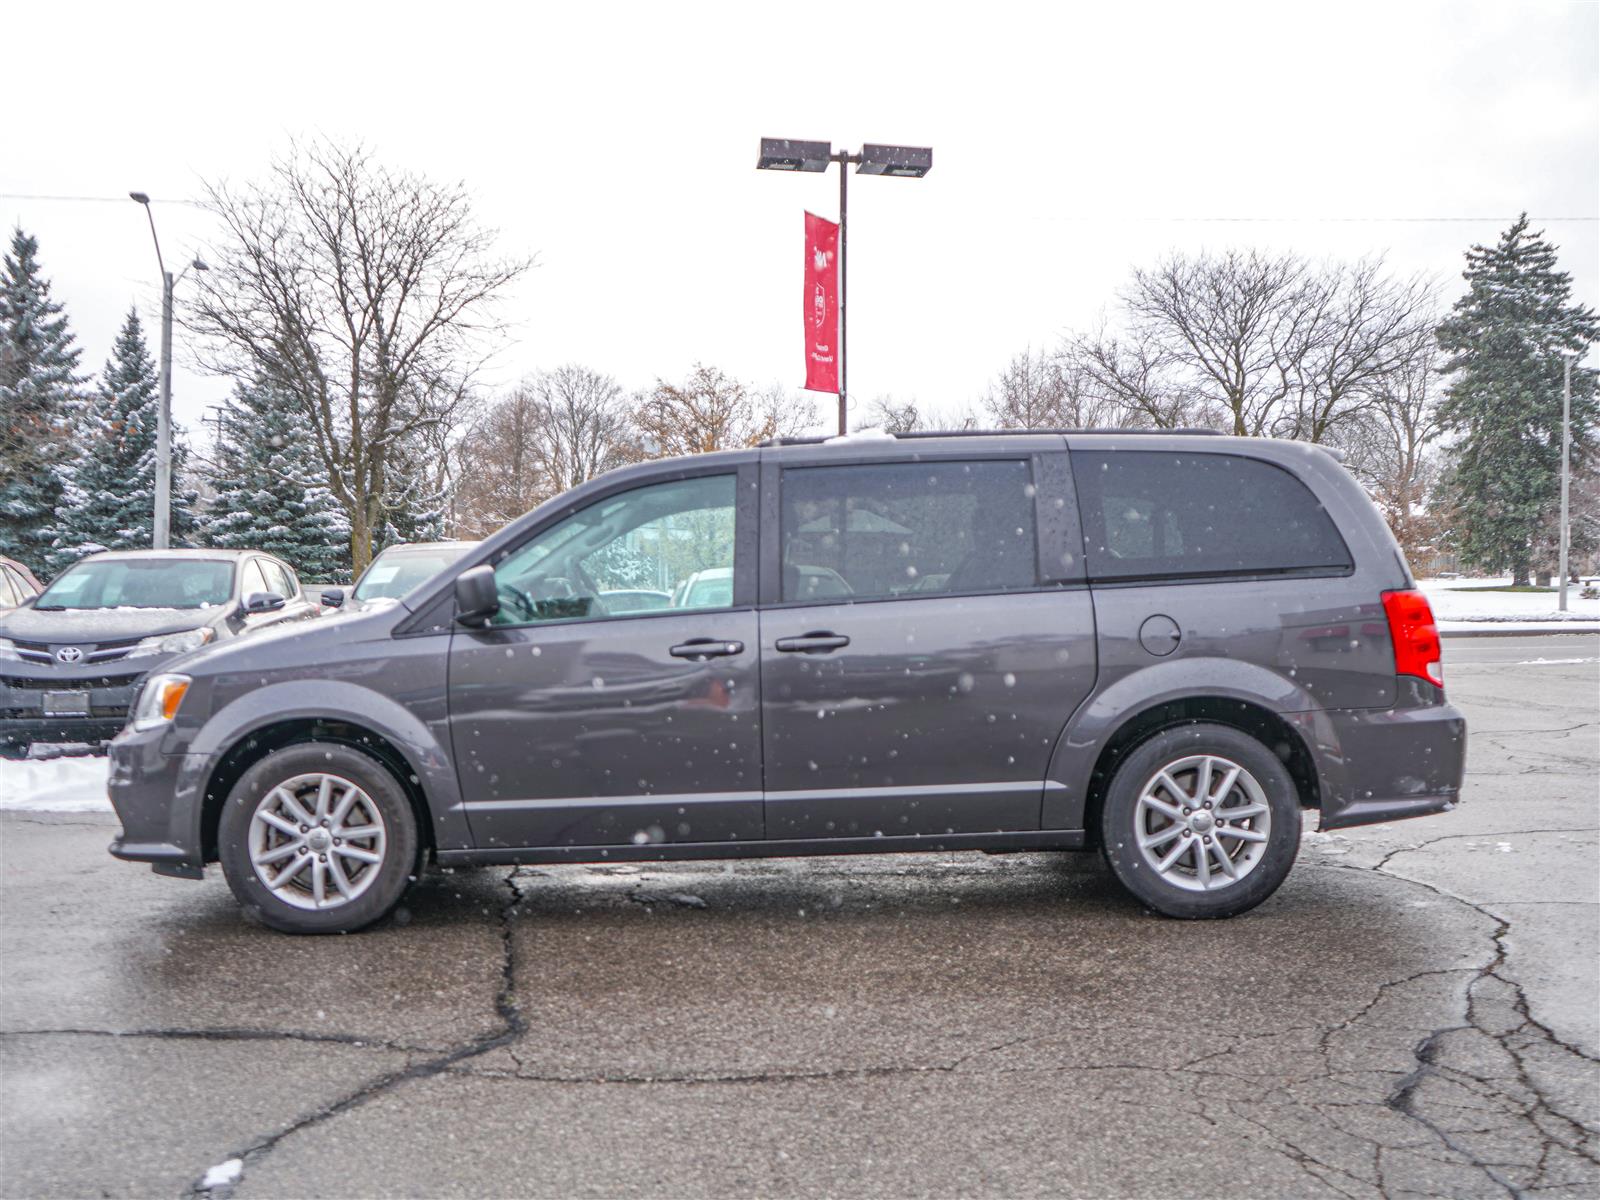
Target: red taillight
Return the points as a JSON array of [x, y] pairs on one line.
[[1415, 636]]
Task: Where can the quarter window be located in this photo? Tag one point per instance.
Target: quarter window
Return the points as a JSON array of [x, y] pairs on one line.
[[667, 547], [1152, 515], [907, 530]]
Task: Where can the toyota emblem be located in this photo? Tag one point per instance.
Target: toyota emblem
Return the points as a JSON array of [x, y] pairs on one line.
[[68, 654]]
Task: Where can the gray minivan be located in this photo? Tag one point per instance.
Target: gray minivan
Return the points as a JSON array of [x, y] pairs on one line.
[[1161, 646]]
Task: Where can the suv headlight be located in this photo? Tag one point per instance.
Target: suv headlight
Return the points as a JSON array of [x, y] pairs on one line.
[[159, 701], [8, 651], [173, 643]]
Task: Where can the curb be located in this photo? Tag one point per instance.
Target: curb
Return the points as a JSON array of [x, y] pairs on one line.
[[1557, 628]]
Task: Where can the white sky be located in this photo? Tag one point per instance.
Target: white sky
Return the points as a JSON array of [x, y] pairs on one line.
[[618, 145]]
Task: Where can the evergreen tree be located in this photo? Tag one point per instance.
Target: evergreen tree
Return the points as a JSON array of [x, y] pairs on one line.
[[108, 485], [415, 501], [40, 389], [271, 493], [1505, 340]]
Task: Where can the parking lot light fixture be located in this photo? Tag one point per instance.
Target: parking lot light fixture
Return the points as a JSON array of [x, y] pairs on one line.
[[787, 154]]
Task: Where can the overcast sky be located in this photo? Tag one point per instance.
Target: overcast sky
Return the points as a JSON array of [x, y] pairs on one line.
[[617, 144]]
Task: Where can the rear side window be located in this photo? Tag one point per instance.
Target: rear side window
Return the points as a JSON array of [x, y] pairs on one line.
[[1154, 515], [908, 530]]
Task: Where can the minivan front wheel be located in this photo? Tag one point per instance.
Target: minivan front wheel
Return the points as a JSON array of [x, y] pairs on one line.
[[1201, 821], [318, 838]]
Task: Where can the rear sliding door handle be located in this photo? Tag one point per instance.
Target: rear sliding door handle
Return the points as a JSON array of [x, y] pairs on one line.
[[700, 649], [812, 643]]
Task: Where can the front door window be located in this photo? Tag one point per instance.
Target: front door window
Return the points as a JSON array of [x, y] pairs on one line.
[[668, 547]]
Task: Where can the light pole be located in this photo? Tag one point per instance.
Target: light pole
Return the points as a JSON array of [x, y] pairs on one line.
[[785, 154], [1566, 471], [161, 529]]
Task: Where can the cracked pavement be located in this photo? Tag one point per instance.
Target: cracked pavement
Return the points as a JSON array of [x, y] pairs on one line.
[[1416, 1013]]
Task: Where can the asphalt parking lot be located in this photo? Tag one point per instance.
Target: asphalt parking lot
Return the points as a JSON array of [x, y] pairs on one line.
[[1417, 1012]]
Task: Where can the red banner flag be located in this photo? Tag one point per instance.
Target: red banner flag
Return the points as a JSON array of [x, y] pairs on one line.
[[822, 305]]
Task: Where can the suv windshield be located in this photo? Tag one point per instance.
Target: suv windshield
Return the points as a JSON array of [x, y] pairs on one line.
[[141, 583], [395, 572]]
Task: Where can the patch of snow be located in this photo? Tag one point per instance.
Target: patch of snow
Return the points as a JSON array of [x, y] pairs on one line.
[[1455, 603], [55, 785], [224, 1174]]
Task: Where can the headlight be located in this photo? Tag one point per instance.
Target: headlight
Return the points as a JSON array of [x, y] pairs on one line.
[[173, 643], [158, 702], [8, 651]]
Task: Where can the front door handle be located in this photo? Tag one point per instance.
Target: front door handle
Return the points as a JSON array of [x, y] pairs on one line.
[[819, 642], [701, 649]]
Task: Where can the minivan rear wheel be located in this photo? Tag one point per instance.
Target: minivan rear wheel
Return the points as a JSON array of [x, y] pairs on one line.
[[318, 838], [1201, 821]]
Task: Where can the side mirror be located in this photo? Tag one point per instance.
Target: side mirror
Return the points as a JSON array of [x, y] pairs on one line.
[[477, 599], [263, 602], [333, 598]]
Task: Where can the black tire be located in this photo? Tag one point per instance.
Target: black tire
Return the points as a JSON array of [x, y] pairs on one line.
[[1122, 822], [400, 846], [14, 751]]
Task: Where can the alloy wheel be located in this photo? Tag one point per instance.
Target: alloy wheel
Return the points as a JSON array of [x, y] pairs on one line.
[[317, 841], [1202, 822]]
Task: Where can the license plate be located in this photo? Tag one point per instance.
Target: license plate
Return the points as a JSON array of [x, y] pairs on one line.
[[66, 704]]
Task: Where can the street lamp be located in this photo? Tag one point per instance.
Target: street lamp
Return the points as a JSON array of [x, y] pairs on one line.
[[784, 154], [1564, 534], [161, 531]]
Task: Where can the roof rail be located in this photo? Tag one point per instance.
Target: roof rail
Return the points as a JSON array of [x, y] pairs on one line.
[[819, 439]]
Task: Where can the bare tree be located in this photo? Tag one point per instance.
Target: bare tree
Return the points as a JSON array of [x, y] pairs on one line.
[[363, 292], [1240, 322], [1135, 384], [584, 428], [552, 432], [1364, 331], [1390, 445], [892, 416], [712, 411], [1030, 393]]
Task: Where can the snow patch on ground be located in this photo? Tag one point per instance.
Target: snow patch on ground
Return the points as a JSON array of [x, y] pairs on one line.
[[1455, 607], [224, 1174], [55, 785]]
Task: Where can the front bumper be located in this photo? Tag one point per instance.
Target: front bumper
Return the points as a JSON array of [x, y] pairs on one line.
[[112, 689], [1386, 764], [159, 799]]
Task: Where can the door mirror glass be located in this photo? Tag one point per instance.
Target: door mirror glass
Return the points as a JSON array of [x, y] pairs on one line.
[[476, 599], [662, 548], [332, 597], [263, 602]]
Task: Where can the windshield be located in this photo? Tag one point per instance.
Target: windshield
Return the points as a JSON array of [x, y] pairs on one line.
[[396, 572], [141, 583]]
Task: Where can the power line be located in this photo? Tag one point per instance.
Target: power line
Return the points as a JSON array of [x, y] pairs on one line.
[[1211, 220], [96, 199]]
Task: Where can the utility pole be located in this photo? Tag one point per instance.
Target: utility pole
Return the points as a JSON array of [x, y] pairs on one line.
[[1566, 470], [161, 523]]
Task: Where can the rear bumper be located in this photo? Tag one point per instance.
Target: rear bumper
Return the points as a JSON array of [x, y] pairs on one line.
[[1386, 764]]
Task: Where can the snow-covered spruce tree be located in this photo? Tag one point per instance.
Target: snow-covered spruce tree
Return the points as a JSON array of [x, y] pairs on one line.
[[416, 498], [108, 484], [40, 389], [271, 493], [1504, 342]]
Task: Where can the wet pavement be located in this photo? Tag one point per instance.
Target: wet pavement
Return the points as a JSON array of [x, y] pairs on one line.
[[1417, 1012]]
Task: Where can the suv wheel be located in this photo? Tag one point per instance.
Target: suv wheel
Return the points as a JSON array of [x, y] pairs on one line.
[[318, 838], [1201, 821]]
